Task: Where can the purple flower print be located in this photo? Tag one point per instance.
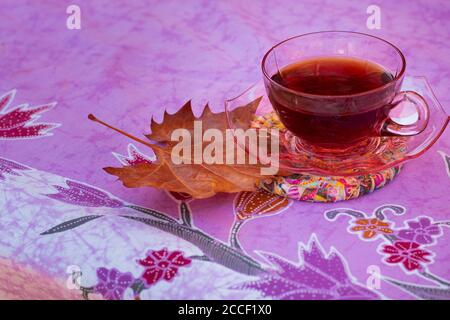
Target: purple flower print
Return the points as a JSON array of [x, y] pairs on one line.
[[84, 195], [113, 283], [420, 230]]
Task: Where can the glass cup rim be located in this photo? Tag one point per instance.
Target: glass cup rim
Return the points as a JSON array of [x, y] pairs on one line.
[[311, 95]]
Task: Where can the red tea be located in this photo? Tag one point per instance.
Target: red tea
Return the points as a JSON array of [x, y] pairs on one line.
[[324, 107]]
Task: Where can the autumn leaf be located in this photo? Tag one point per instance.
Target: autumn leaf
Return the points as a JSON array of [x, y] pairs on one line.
[[184, 118], [200, 180]]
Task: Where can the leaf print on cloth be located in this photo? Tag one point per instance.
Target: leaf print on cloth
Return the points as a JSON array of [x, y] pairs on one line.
[[84, 195], [421, 230], [317, 275], [71, 224], [10, 167], [19, 122]]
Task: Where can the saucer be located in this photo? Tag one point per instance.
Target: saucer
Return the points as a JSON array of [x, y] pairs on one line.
[[385, 152]]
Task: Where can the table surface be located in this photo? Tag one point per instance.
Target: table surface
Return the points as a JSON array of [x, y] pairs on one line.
[[134, 59]]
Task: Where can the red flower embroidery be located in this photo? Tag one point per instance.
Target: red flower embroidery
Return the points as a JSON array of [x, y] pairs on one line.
[[162, 264], [407, 253]]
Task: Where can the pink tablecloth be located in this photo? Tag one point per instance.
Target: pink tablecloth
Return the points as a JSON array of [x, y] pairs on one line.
[[131, 60]]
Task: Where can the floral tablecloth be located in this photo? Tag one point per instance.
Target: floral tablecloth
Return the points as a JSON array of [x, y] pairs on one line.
[[69, 230]]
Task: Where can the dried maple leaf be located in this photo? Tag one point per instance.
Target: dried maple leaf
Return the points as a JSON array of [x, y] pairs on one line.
[[199, 180], [184, 118]]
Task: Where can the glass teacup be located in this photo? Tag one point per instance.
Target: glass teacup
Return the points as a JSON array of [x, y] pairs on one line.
[[335, 91]]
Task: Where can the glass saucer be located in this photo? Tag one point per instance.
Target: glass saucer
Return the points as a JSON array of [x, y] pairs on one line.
[[384, 152]]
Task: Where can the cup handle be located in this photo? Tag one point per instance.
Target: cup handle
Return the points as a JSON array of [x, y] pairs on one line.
[[405, 99]]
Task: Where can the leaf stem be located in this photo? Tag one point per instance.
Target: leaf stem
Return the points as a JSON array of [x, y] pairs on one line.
[[95, 119]]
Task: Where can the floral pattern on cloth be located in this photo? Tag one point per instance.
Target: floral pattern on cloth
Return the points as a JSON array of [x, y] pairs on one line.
[[421, 230], [112, 283], [158, 264], [106, 67], [369, 228], [19, 122], [407, 247], [409, 254], [318, 275]]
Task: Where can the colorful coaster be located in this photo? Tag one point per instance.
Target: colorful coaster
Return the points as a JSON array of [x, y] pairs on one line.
[[313, 188]]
